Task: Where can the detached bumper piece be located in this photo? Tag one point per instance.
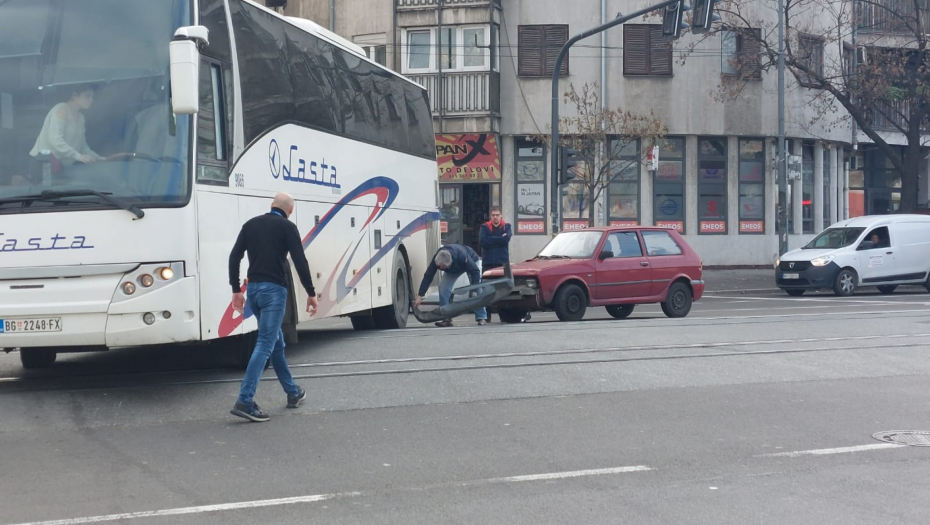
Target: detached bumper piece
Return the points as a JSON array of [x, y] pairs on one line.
[[487, 293]]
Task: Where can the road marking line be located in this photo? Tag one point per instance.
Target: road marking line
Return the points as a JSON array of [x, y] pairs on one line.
[[323, 497], [828, 451]]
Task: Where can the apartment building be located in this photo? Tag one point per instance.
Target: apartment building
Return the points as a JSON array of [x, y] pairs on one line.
[[487, 65]]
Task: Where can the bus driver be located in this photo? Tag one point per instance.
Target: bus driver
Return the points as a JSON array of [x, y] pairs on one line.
[[63, 131]]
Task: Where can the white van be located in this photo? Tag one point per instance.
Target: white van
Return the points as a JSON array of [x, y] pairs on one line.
[[883, 251]]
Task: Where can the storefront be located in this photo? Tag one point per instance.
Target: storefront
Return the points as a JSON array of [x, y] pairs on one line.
[[469, 184]]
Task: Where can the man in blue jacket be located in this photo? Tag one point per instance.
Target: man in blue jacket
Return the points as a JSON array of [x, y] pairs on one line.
[[453, 260], [494, 237]]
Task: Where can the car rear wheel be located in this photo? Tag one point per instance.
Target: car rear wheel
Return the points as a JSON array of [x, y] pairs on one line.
[[889, 289], [511, 315], [845, 283], [795, 293], [570, 303], [620, 311], [37, 357], [678, 302]]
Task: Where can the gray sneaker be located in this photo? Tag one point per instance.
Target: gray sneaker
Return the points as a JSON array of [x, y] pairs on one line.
[[253, 413], [294, 399]]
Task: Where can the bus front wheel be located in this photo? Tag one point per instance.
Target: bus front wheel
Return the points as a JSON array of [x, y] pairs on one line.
[[394, 315]]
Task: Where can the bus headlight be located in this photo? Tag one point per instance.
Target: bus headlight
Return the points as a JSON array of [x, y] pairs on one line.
[[129, 288], [146, 280], [165, 273]]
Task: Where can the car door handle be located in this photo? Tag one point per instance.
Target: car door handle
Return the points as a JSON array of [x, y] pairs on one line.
[[643, 263], [889, 253]]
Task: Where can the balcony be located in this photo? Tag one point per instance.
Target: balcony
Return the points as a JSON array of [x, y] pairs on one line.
[[432, 4], [893, 16], [894, 116], [464, 94]]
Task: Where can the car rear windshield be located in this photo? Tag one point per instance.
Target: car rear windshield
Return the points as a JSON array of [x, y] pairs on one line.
[[833, 238]]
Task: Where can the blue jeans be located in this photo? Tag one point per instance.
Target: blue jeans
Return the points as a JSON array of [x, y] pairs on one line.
[[268, 301], [447, 284]]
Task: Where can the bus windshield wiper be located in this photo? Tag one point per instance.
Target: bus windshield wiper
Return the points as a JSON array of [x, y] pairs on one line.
[[51, 196]]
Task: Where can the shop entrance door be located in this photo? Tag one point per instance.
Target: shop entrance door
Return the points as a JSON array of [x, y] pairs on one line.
[[465, 207]]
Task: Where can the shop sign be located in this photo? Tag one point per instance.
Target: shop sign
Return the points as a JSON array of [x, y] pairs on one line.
[[713, 226], [468, 158], [751, 227], [674, 225]]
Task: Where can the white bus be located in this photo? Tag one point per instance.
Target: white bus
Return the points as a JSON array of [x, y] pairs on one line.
[[127, 170]]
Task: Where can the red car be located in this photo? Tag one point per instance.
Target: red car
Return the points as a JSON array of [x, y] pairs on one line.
[[613, 267]]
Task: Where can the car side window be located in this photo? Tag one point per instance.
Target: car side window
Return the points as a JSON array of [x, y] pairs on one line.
[[876, 239], [660, 243], [624, 244]]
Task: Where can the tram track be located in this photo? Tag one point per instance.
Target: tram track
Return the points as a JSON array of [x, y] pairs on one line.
[[466, 362]]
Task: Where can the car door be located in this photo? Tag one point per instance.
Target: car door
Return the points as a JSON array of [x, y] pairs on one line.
[[666, 258], [625, 274], [877, 262]]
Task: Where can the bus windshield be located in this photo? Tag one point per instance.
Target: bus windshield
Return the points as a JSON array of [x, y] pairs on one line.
[[85, 107]]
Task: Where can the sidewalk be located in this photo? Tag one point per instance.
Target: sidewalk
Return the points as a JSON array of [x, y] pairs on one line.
[[735, 282]]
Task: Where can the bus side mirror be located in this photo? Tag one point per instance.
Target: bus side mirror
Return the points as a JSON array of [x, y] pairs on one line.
[[185, 68]]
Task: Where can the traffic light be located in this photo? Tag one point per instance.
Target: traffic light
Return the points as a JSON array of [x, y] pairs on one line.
[[704, 16], [673, 19], [568, 159]]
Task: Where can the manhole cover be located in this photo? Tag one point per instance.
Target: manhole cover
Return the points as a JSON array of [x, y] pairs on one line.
[[914, 438]]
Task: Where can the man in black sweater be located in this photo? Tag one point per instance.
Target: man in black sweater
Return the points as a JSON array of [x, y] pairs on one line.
[[268, 239]]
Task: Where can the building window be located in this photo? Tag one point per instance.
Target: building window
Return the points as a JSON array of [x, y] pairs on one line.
[[668, 186], [740, 54], [460, 48], [623, 190], [530, 194], [645, 51], [875, 187], [577, 204], [751, 186], [827, 174], [712, 185], [376, 54], [538, 48], [810, 52], [807, 188]]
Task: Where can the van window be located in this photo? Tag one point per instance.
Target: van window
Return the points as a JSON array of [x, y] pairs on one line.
[[833, 238], [875, 239]]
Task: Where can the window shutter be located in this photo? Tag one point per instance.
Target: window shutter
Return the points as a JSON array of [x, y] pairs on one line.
[[750, 51], [660, 52], [555, 38], [635, 50], [530, 57]]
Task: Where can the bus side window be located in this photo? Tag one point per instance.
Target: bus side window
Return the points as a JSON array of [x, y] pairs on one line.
[[212, 165]]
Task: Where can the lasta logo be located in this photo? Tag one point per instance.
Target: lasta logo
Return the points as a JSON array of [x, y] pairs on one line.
[[41, 244]]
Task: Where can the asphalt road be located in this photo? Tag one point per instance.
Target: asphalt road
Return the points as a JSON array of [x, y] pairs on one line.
[[754, 409]]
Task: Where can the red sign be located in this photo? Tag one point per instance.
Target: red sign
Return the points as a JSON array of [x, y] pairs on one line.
[[443, 227], [624, 223], [713, 226], [751, 227], [569, 225], [674, 225], [468, 158], [531, 227]]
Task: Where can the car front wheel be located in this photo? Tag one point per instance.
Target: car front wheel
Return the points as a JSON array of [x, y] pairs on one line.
[[845, 283], [678, 302], [570, 303]]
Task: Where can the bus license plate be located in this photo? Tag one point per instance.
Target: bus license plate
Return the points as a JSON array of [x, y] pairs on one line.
[[39, 324], [790, 276]]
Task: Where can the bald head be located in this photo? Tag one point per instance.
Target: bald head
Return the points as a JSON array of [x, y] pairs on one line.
[[284, 201]]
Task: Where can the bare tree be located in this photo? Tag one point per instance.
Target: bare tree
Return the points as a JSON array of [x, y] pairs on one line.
[[886, 89], [606, 141]]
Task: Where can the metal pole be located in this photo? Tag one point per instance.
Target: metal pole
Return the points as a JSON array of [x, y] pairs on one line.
[[439, 58], [332, 15], [554, 125], [782, 154]]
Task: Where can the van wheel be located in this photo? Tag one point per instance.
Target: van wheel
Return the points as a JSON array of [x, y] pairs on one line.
[[889, 289], [845, 283], [795, 293], [620, 311], [394, 315], [37, 357], [678, 302], [570, 303]]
